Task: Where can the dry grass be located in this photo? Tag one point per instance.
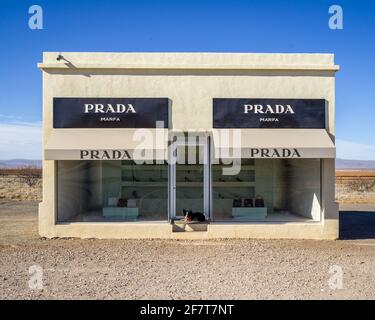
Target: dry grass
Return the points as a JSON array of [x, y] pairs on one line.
[[12, 187]]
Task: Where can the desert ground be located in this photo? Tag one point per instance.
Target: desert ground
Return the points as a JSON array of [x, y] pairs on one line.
[[355, 186], [165, 269]]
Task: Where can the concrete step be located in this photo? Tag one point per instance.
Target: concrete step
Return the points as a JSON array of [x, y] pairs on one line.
[[181, 226]]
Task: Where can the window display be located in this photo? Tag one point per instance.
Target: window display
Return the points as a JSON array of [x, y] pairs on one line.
[[268, 190], [112, 191]]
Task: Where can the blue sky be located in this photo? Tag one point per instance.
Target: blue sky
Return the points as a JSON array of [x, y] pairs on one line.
[[205, 25]]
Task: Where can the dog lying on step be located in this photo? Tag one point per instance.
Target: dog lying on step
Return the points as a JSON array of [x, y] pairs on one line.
[[191, 216]]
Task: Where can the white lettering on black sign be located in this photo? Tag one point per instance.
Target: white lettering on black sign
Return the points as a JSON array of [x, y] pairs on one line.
[[268, 110], [109, 112], [269, 113], [259, 108], [109, 108]]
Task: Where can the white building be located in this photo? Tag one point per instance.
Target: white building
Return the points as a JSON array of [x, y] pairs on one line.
[[113, 124]]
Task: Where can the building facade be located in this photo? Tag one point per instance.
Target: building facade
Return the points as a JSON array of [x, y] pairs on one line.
[[131, 140]]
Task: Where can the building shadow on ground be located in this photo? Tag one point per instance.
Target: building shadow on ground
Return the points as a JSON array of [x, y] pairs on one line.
[[357, 225]]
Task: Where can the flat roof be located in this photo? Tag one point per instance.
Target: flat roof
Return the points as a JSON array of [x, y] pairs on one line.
[[186, 61]]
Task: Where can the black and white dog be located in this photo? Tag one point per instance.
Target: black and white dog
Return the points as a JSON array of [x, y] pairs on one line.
[[191, 216]]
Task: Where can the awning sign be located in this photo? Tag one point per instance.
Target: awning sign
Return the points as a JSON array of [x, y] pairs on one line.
[[274, 153], [269, 113], [104, 155], [272, 143]]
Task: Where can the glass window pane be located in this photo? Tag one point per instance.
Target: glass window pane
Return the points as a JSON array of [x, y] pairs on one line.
[[268, 190], [112, 191], [189, 179]]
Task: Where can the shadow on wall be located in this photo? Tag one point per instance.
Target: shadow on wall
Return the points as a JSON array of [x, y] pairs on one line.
[[357, 225]]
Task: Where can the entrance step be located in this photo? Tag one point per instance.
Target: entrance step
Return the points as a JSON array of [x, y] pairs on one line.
[[181, 226]]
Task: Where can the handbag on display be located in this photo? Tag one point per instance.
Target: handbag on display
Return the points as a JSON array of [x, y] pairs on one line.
[[237, 203], [122, 202], [259, 202], [248, 203]]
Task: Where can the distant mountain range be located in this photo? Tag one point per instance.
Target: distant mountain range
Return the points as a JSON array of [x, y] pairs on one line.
[[17, 163], [341, 164]]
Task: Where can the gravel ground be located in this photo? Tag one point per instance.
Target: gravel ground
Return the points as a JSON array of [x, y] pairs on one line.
[[165, 269]]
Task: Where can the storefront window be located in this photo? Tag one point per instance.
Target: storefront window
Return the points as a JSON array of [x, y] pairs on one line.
[[111, 191], [268, 190], [263, 190]]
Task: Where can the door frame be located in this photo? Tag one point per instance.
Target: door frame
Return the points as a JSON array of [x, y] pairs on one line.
[[207, 193]]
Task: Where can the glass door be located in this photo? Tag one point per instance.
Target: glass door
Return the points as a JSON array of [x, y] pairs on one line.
[[190, 179]]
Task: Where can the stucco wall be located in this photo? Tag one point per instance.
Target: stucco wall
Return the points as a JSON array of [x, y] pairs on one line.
[[191, 92], [189, 80], [304, 187]]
